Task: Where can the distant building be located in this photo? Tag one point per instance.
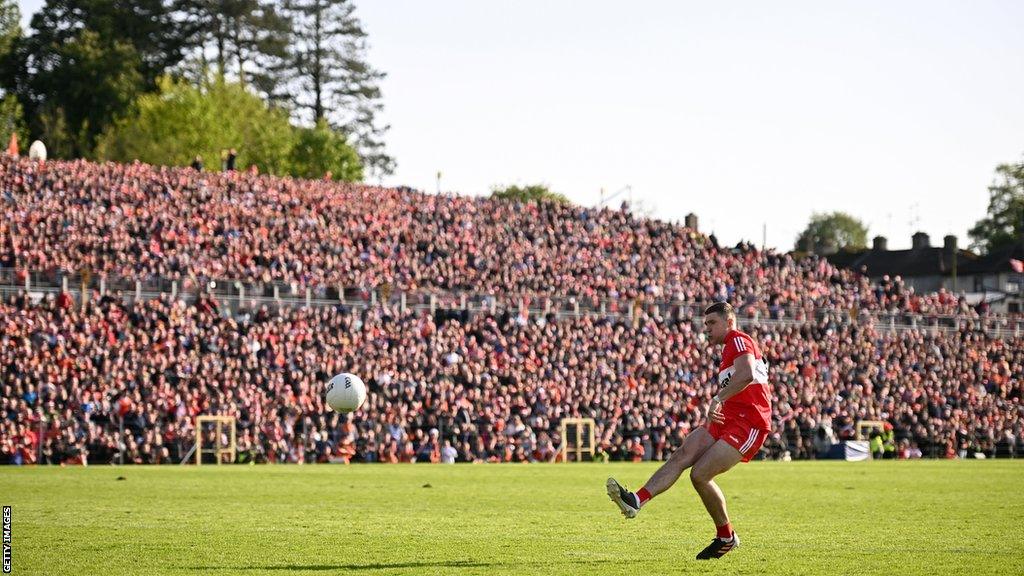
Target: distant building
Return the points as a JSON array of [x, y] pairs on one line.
[[992, 278]]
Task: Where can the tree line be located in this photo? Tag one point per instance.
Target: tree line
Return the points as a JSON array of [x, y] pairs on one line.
[[1001, 227], [286, 83]]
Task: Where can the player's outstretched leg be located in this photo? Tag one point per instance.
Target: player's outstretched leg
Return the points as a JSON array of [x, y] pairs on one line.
[[718, 459], [629, 503]]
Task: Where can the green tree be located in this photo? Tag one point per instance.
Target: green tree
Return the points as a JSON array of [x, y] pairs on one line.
[[85, 63], [12, 116], [529, 193], [320, 150], [150, 27], [249, 40], [180, 121], [333, 80], [88, 82], [14, 76], [12, 119], [826, 233], [1004, 222], [10, 26], [52, 128]]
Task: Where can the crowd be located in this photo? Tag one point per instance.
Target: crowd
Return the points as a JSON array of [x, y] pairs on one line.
[[126, 379], [145, 222], [123, 379]]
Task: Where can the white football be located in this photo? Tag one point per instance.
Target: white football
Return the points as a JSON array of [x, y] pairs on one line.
[[345, 393], [37, 151]]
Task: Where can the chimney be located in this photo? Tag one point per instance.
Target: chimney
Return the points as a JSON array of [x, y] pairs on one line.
[[949, 244], [920, 240], [879, 244], [691, 221]]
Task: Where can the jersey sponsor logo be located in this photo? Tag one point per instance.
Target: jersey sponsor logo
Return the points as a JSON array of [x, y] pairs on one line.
[[761, 371]]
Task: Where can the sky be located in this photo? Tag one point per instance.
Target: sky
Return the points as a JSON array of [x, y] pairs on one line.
[[752, 115]]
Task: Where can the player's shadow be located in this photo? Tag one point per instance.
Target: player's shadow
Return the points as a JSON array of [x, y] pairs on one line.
[[389, 565], [356, 567]]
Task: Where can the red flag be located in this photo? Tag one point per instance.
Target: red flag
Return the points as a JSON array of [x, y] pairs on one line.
[[12, 146], [1017, 265]]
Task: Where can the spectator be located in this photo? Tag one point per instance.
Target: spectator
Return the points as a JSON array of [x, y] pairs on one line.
[[449, 453]]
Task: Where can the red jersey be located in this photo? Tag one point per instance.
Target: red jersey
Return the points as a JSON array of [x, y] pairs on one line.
[[753, 403]]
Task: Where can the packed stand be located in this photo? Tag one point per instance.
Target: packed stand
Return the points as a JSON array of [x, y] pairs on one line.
[[144, 222], [458, 387]]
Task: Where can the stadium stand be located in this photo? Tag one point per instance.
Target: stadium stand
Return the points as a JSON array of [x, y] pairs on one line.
[[117, 376]]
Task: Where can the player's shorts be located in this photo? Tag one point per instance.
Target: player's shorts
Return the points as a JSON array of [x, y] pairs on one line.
[[740, 435]]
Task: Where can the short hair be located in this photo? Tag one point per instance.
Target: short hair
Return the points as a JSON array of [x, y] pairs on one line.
[[723, 308]]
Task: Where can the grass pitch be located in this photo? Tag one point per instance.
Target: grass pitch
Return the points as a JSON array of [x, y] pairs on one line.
[[926, 517]]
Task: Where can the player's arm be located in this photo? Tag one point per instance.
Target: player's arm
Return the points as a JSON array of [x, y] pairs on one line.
[[743, 374]]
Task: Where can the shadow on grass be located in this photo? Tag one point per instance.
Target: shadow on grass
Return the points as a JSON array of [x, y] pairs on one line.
[[351, 567], [387, 565]]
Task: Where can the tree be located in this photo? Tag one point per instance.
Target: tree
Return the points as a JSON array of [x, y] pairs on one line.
[[52, 127], [321, 150], [333, 80], [12, 119], [12, 116], [249, 41], [82, 84], [180, 121], [149, 27], [172, 126], [85, 62], [10, 26], [529, 193], [267, 50], [826, 233], [11, 66], [1004, 223]]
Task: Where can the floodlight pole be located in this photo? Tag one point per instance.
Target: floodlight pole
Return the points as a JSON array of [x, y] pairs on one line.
[[605, 199]]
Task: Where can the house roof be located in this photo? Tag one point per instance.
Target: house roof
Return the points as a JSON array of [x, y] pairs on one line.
[[915, 262], [997, 261]]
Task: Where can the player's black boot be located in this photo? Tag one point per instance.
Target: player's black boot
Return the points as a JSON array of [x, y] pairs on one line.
[[719, 547], [624, 499]]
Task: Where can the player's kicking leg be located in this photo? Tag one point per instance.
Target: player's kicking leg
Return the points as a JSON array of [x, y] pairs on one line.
[[694, 446], [716, 460]]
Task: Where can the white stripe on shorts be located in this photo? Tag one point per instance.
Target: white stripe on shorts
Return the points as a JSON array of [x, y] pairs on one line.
[[750, 442]]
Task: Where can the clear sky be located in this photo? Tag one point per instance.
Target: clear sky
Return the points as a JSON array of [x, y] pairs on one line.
[[744, 113]]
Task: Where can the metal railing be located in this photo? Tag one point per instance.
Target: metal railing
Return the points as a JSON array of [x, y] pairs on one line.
[[237, 294]]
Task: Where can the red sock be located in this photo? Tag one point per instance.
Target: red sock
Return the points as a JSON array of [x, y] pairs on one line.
[[725, 532], [643, 496]]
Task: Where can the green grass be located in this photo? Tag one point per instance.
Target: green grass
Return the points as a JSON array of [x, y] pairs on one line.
[[927, 517]]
